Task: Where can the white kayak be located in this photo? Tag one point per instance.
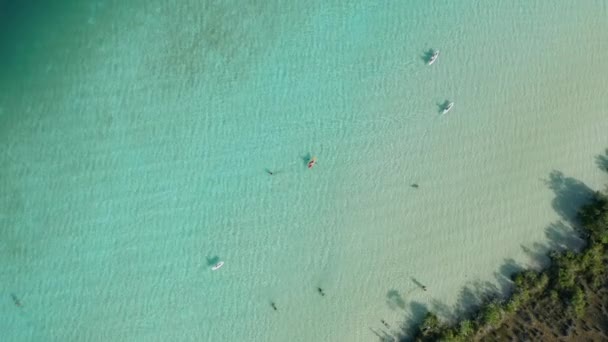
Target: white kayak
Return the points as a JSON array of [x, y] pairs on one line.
[[434, 57], [217, 266], [447, 108]]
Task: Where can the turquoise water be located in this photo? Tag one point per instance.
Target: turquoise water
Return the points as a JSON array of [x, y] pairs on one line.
[[135, 138]]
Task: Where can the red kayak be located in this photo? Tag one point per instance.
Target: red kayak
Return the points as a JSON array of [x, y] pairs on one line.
[[312, 162]]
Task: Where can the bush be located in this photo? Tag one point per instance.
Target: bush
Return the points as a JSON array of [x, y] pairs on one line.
[[578, 302], [565, 278], [525, 280], [513, 304], [450, 336], [491, 314], [527, 283], [430, 325], [543, 282], [466, 328], [554, 296], [593, 264], [594, 217]]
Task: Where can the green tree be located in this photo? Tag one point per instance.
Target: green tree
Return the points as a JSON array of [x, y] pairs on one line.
[[466, 328], [491, 314], [514, 303]]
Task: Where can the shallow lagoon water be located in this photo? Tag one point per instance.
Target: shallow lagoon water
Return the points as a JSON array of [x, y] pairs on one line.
[[135, 139]]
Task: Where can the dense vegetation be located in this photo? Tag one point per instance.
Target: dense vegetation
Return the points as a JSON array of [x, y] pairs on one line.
[[567, 300]]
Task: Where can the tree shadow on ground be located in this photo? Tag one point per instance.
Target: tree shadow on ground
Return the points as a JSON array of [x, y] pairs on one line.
[[443, 310], [473, 295], [394, 300], [561, 237], [602, 161], [570, 194], [504, 276], [538, 254], [417, 311]]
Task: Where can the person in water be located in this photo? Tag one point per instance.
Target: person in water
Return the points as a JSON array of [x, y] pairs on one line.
[[321, 291], [312, 162], [16, 300], [414, 185], [273, 306]]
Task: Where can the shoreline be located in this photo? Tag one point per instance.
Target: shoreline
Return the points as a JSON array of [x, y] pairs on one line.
[[566, 299]]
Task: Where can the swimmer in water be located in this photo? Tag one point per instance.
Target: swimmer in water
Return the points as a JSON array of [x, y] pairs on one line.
[[273, 306], [16, 300], [321, 291], [414, 185]]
